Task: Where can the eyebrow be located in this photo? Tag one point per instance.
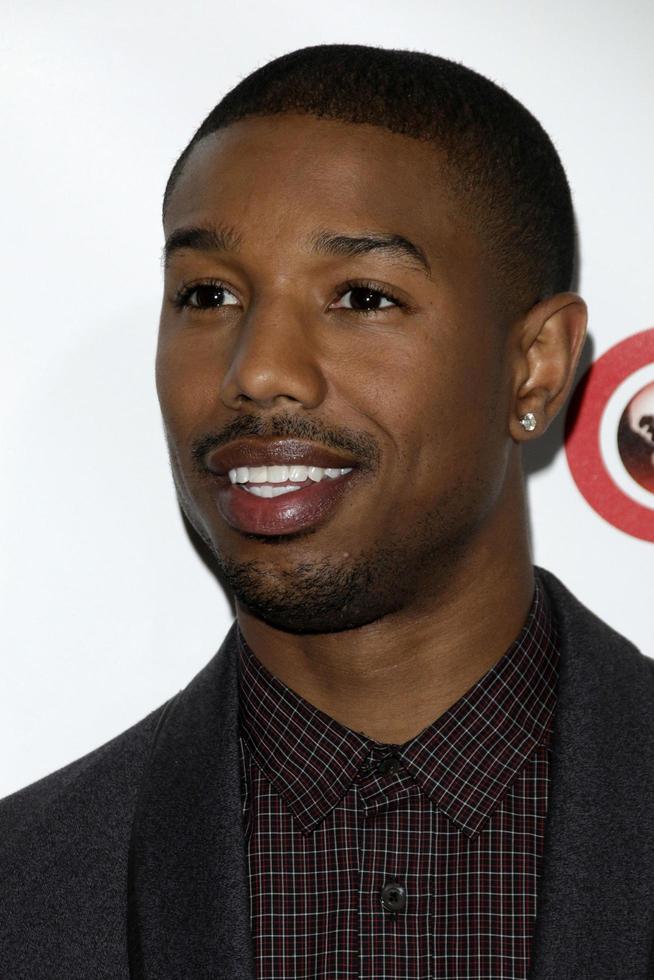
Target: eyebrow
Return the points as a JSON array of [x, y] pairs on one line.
[[223, 239], [331, 243], [200, 239]]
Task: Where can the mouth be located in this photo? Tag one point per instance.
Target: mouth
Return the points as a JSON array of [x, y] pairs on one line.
[[279, 487]]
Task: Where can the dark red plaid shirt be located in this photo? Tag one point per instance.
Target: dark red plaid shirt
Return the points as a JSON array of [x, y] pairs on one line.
[[399, 861]]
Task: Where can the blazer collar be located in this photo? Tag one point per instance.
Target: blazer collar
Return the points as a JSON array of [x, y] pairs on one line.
[[188, 901], [596, 897], [188, 908]]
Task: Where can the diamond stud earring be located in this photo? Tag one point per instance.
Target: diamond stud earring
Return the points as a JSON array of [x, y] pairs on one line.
[[528, 421]]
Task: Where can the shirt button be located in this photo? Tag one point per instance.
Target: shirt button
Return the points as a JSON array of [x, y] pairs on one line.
[[393, 896], [388, 765]]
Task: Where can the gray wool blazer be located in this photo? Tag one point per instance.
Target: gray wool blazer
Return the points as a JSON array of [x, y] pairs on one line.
[[129, 864]]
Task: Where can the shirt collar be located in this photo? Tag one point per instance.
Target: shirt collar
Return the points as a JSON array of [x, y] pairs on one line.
[[464, 761]]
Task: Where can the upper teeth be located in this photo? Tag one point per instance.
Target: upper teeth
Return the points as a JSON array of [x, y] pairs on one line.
[[283, 474]]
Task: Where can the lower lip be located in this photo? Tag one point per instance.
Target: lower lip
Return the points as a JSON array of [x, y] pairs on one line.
[[286, 514]]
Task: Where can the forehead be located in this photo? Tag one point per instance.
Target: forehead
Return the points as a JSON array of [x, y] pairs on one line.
[[285, 175]]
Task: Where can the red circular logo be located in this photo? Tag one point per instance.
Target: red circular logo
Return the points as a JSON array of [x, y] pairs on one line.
[[583, 436]]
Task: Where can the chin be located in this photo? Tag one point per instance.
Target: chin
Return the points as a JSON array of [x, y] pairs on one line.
[[315, 596]]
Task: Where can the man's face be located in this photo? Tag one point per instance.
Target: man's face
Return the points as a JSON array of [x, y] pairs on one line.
[[297, 347]]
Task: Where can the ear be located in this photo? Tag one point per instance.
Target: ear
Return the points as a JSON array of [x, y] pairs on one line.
[[546, 348]]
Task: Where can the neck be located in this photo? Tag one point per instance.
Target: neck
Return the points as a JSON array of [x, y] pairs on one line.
[[392, 678]]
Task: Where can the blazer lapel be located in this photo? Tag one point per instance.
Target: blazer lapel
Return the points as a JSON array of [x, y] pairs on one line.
[[188, 902], [594, 912]]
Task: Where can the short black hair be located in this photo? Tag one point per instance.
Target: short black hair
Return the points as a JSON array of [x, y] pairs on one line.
[[498, 157]]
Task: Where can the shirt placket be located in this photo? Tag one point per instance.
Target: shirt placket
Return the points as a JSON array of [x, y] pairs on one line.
[[390, 903]]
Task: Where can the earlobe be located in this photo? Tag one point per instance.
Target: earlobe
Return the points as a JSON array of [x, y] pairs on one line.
[[551, 339]]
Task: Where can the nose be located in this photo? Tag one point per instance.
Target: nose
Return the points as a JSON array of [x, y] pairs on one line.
[[274, 360]]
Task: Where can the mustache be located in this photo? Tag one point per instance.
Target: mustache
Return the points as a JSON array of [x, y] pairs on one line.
[[361, 445]]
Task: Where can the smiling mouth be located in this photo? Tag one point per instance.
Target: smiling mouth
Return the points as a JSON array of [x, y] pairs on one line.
[[280, 486], [277, 481], [277, 500]]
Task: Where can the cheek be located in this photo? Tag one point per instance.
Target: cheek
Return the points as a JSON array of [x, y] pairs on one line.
[[187, 380], [440, 401]]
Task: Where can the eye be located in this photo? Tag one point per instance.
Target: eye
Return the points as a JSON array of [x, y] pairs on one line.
[[365, 298], [205, 296]]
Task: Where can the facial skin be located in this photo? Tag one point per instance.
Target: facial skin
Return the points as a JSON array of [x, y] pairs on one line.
[[383, 612]]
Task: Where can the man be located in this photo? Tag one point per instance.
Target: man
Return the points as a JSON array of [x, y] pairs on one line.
[[414, 755]]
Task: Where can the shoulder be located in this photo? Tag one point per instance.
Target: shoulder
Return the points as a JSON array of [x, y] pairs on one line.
[[600, 650], [64, 842], [108, 774]]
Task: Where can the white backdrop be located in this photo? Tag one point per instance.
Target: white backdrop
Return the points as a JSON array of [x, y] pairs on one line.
[[106, 609]]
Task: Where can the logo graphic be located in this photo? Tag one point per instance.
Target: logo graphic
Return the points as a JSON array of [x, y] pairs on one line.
[[609, 437], [636, 437]]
